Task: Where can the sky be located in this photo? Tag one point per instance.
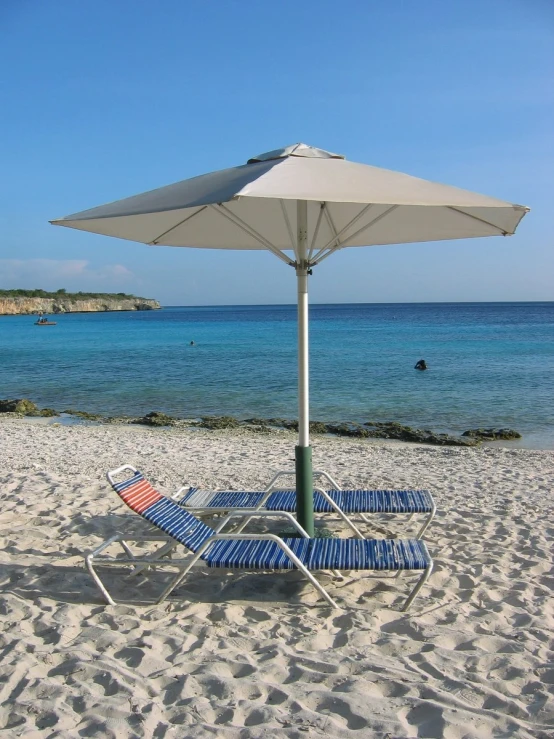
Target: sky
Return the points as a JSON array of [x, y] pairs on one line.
[[103, 99]]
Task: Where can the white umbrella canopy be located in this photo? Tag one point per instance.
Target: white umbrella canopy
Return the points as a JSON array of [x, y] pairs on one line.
[[308, 202], [253, 206]]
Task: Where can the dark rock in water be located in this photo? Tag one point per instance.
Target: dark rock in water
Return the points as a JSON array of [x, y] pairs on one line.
[[118, 419], [281, 423], [318, 427], [395, 430], [256, 424], [155, 419], [284, 423], [82, 414], [218, 422], [373, 430], [348, 429], [48, 412], [257, 421], [492, 434], [21, 405]]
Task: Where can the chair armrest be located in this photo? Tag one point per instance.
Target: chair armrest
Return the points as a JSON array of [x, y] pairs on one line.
[[178, 495], [110, 474], [249, 513]]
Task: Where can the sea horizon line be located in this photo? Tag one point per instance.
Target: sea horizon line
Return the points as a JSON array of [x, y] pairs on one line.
[[312, 304]]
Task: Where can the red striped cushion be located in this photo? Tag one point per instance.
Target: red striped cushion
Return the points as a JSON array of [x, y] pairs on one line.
[[140, 496]]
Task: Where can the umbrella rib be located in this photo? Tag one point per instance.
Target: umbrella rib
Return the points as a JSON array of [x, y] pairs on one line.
[[476, 218], [338, 234], [226, 213], [320, 257], [334, 247], [155, 241], [289, 228], [322, 208]]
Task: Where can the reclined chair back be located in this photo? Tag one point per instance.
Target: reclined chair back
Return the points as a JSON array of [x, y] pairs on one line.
[[163, 512]]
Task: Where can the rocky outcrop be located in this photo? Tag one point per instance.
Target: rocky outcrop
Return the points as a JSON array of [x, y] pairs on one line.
[[219, 422], [32, 306], [492, 434], [24, 407], [19, 405], [399, 432], [155, 419], [369, 430]]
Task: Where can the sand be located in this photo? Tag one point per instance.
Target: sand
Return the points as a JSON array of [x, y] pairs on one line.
[[257, 655]]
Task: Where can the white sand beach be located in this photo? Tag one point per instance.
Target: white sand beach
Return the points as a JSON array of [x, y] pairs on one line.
[[258, 655]]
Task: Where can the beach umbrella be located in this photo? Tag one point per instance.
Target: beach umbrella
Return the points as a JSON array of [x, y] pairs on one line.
[[302, 204]]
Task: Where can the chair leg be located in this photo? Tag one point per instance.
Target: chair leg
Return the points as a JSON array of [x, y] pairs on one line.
[[178, 579], [96, 577], [426, 524], [175, 582], [138, 564], [420, 583], [158, 554], [340, 512], [319, 587], [180, 576]]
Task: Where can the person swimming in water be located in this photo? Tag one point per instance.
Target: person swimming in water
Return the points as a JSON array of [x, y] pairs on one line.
[[421, 365]]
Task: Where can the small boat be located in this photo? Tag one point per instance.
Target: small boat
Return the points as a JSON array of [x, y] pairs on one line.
[[44, 322]]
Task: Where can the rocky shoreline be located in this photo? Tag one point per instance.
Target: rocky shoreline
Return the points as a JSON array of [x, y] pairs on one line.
[[31, 306], [368, 430]]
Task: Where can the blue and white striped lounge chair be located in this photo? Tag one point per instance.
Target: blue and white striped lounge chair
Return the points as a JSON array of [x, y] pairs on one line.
[[244, 551], [346, 503]]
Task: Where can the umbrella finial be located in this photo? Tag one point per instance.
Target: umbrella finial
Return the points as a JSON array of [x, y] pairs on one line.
[[295, 150]]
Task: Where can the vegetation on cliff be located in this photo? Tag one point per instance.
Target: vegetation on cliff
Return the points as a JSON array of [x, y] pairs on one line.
[[63, 294], [29, 302]]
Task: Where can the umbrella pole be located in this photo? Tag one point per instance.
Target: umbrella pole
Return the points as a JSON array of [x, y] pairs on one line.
[[303, 452]]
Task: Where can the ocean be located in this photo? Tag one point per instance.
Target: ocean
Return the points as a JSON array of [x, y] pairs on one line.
[[489, 364]]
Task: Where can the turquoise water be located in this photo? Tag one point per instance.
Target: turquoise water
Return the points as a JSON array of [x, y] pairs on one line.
[[490, 364]]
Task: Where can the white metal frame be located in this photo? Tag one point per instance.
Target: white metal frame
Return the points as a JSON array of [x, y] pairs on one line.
[[273, 486], [162, 556]]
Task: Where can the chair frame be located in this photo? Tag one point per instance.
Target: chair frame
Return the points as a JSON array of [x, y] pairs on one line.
[[273, 487], [161, 556]]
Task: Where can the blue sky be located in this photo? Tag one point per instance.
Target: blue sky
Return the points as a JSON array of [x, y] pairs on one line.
[[101, 99]]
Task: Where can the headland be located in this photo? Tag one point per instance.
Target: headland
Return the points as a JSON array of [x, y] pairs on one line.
[[31, 302]]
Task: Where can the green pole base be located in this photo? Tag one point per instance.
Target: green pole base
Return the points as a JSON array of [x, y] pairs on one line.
[[304, 488]]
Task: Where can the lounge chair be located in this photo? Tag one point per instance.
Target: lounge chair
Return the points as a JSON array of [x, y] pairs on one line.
[[261, 552], [343, 502]]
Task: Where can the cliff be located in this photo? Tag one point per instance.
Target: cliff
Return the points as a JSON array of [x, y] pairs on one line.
[[32, 306]]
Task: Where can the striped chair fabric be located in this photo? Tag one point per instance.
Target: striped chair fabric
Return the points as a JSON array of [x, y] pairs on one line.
[[315, 554], [349, 501], [163, 512], [235, 554], [321, 554], [196, 498]]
